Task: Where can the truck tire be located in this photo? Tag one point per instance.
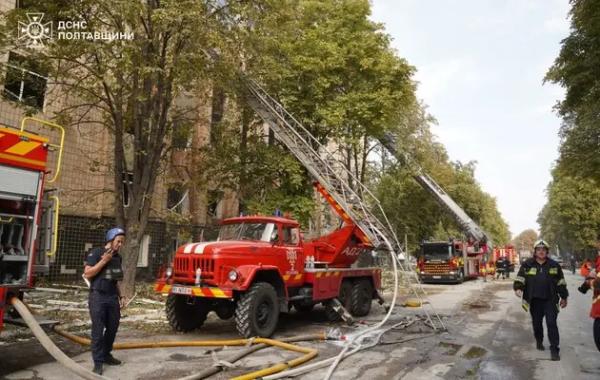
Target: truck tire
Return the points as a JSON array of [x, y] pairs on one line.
[[183, 316], [343, 297], [257, 311], [225, 309], [361, 298]]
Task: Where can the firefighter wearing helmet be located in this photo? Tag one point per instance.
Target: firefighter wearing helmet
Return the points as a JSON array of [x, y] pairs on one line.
[[541, 285], [103, 270]]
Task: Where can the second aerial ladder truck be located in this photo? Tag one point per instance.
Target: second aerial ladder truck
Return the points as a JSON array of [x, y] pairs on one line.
[[451, 260]]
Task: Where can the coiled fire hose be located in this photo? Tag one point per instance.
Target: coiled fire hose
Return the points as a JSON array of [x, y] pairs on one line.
[[254, 344]]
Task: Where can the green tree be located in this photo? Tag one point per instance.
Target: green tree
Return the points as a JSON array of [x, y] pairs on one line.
[[571, 217], [415, 212], [577, 69], [335, 71], [525, 240]]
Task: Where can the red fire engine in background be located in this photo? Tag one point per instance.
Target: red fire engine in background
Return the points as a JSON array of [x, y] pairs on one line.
[[509, 253], [450, 261], [28, 208]]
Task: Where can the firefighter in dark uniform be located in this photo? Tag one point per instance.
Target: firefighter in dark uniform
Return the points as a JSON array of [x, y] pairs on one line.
[[540, 283], [103, 270]]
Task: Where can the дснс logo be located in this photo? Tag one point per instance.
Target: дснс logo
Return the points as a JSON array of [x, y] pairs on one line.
[[34, 30]]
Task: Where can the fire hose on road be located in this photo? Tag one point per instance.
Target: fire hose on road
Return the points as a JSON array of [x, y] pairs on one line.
[[254, 344]]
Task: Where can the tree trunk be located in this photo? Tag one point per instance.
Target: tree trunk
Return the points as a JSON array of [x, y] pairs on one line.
[[366, 151], [130, 253], [246, 117]]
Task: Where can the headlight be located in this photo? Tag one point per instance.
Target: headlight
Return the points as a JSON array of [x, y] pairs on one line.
[[452, 272], [169, 272], [233, 275]]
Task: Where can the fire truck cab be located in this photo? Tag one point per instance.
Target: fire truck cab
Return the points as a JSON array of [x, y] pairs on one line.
[[441, 261]]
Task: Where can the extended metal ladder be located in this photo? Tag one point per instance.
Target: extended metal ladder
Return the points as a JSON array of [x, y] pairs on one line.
[[322, 165], [467, 224], [334, 177]]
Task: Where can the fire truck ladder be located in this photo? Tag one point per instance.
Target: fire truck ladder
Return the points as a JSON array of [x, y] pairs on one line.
[[468, 225], [335, 178]]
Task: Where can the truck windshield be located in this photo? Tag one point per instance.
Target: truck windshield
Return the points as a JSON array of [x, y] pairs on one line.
[[437, 251], [248, 231]]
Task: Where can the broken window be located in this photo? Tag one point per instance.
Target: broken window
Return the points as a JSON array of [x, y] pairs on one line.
[[25, 81], [127, 178]]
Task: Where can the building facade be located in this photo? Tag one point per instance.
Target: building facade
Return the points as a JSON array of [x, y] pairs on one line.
[[181, 210]]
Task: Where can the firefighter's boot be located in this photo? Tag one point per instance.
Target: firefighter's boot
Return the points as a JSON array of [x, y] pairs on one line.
[[97, 368], [111, 360]]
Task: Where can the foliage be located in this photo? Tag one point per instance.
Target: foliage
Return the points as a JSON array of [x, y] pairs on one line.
[[272, 178], [334, 70], [571, 217], [414, 212], [525, 240], [577, 68]]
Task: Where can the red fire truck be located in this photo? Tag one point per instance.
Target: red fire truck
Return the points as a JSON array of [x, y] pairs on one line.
[[28, 209], [507, 252], [444, 261], [260, 266]]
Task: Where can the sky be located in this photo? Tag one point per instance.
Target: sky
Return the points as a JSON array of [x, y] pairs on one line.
[[480, 67]]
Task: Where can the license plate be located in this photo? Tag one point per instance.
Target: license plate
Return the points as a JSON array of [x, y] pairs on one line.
[[181, 290], [437, 277]]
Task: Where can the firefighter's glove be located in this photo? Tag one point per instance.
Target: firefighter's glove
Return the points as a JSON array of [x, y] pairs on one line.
[[584, 287]]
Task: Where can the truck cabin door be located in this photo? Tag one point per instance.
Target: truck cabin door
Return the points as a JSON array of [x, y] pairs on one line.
[[291, 250]]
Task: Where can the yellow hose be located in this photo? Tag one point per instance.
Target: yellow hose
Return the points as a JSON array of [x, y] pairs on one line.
[[411, 302], [309, 353]]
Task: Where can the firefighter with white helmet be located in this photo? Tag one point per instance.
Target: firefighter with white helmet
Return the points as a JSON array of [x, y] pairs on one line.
[[542, 286]]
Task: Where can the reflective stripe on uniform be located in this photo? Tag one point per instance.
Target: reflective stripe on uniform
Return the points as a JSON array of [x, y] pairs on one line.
[[532, 271], [553, 271], [520, 279]]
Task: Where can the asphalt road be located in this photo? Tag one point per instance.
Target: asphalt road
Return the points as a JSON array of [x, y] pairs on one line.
[[489, 337]]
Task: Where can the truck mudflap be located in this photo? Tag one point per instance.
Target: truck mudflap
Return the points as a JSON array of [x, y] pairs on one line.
[[196, 291]]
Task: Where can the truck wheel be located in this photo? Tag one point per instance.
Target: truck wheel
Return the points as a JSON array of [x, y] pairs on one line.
[[225, 309], [184, 316], [361, 298], [343, 297], [257, 311]]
